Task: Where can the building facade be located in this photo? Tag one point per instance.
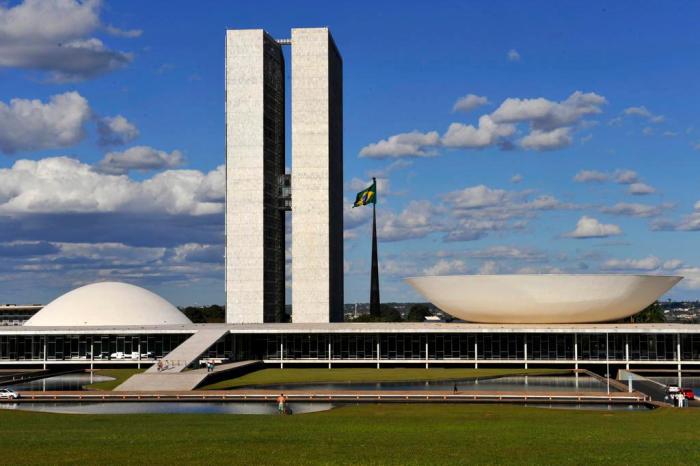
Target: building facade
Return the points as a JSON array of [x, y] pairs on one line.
[[317, 177], [641, 346], [255, 139], [257, 189]]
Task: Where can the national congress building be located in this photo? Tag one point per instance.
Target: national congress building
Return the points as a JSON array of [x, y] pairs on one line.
[[553, 320]]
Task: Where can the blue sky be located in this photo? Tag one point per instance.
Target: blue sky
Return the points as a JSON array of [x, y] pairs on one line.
[[577, 150]]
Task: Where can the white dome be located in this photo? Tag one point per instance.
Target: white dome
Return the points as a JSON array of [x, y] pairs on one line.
[[108, 303]]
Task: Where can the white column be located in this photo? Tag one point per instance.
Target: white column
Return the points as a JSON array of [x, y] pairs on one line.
[[525, 354], [627, 355], [476, 355], [281, 355], [607, 361], [139, 350], [678, 355], [92, 357], [329, 352], [576, 354], [45, 352], [426, 354], [378, 353]]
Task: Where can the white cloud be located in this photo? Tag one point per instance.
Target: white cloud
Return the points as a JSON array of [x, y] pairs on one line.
[[392, 167], [469, 102], [588, 227], [643, 112], [691, 277], [647, 264], [507, 252], [446, 267], [64, 185], [33, 125], [413, 144], [488, 268], [637, 111], [551, 123], [513, 55], [487, 133], [139, 158], [54, 36], [626, 177], [517, 178], [127, 33], [640, 189], [484, 202], [354, 217], [546, 115], [475, 197], [588, 176], [547, 140], [672, 264], [417, 220], [636, 210], [116, 130]]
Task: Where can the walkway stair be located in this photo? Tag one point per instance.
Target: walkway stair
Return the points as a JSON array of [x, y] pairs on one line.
[[173, 375]]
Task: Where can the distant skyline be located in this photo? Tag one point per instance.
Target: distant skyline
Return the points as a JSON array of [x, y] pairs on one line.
[[506, 137]]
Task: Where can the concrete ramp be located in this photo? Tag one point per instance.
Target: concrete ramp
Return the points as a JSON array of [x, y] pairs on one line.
[[188, 352], [179, 381], [173, 375]]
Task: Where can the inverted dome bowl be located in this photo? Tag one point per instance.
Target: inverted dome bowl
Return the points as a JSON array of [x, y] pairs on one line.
[[542, 299]]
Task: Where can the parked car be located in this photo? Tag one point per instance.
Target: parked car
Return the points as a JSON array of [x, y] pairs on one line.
[[688, 393], [148, 355], [7, 394], [117, 355], [671, 389], [102, 355]]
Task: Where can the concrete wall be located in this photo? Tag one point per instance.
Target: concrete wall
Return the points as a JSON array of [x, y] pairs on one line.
[[317, 177], [254, 159]]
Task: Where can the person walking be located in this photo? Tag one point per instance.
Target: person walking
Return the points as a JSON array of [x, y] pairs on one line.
[[454, 389], [281, 403]]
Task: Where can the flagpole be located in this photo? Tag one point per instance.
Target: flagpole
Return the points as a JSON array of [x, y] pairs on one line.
[[374, 285]]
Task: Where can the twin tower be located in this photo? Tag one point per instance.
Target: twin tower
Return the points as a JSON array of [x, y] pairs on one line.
[[259, 192]]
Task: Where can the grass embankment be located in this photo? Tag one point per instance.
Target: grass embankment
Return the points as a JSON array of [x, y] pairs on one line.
[[318, 375], [378, 434], [120, 375]]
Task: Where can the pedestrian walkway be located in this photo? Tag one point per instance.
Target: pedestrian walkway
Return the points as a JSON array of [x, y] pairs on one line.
[[171, 375]]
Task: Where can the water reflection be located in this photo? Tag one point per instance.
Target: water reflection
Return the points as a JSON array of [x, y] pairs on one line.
[[188, 407], [60, 382], [592, 406], [559, 383]]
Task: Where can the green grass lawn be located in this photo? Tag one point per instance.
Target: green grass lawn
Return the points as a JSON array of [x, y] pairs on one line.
[[314, 375], [120, 375], [378, 434]]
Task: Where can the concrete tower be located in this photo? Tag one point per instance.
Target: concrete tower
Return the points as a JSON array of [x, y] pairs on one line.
[[317, 177], [254, 169], [257, 188]]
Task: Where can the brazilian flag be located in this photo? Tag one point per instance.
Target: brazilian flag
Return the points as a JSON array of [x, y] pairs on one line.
[[368, 196]]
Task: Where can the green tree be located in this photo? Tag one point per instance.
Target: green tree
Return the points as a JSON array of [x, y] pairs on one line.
[[652, 314], [389, 313], [417, 313]]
